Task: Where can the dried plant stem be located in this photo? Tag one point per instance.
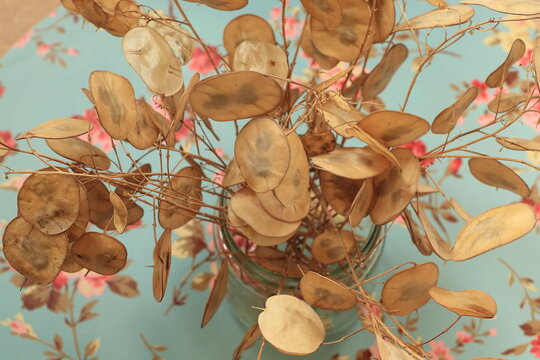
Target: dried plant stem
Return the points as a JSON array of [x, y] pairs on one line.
[[530, 300], [148, 346], [72, 321], [259, 355], [442, 332], [345, 337], [43, 342]]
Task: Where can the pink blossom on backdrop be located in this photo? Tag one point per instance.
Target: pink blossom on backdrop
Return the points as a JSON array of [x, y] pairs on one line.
[[24, 39], [98, 136], [200, 61], [439, 351]]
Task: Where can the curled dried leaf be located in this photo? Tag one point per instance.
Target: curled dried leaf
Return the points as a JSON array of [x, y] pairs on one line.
[[162, 264], [326, 293], [100, 253], [494, 173], [219, 290], [466, 303]]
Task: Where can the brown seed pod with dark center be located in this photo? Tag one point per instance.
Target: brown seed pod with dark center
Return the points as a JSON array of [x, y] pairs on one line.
[[162, 264], [235, 95], [81, 222], [381, 75], [35, 255], [494, 173], [447, 119], [80, 151], [325, 62], [318, 144], [408, 290], [100, 253], [275, 208], [352, 163], [326, 293], [58, 129], [338, 191], [497, 77], [327, 248], [144, 134], [50, 202], [326, 11], [246, 27], [70, 265], [279, 262], [474, 303]]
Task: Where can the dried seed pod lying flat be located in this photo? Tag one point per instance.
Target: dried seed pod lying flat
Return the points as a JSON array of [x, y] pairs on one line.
[[225, 5], [352, 163], [324, 61], [219, 290], [232, 176], [467, 303], [448, 16], [385, 18], [262, 153], [447, 119], [327, 12], [339, 114], [497, 77], [521, 7], [246, 27], [291, 325], [153, 59], [389, 351], [506, 102], [58, 129], [519, 144], [100, 253], [494, 173], [394, 128], [234, 96], [144, 133], [115, 103], [408, 290], [32, 253], [338, 191], [80, 151], [162, 264], [351, 38], [381, 75], [395, 187], [295, 212], [262, 57], [326, 293], [362, 202], [50, 202], [279, 262], [493, 228], [295, 183], [245, 205], [182, 200], [327, 247]]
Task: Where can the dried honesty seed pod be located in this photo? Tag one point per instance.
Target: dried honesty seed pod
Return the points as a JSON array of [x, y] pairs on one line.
[[69, 6], [521, 7], [100, 253], [181, 105], [394, 128], [326, 293], [466, 303], [92, 12], [295, 183], [49, 202], [497, 77], [81, 222], [35, 255], [352, 163], [153, 59], [494, 173], [246, 27], [234, 96], [385, 18], [250, 338], [115, 103], [120, 212], [389, 351], [162, 264], [144, 133], [339, 114], [291, 325], [279, 262], [327, 12], [408, 290], [261, 240], [101, 209], [245, 205], [262, 57], [179, 39], [351, 38], [160, 122], [493, 228], [419, 240], [182, 200], [219, 290], [506, 102], [435, 242], [70, 265], [295, 212], [519, 144], [306, 42], [447, 119], [232, 176], [327, 247], [262, 153], [362, 203], [225, 5], [318, 144], [58, 129], [233, 219], [448, 16], [381, 75], [395, 187], [338, 191], [80, 151]]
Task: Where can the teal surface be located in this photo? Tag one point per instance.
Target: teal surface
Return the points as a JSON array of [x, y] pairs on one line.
[[35, 90]]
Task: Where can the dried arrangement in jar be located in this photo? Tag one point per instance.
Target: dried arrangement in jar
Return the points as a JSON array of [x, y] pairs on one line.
[[314, 161]]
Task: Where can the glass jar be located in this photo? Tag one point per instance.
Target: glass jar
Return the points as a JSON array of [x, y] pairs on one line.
[[249, 284]]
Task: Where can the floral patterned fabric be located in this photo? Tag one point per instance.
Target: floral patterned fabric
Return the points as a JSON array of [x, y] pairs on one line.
[[91, 316]]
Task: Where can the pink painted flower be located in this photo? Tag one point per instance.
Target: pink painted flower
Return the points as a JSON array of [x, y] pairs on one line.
[[2, 90], [72, 51], [494, 331], [418, 148], [6, 137], [218, 176], [439, 351], [43, 48], [275, 13], [19, 326], [53, 13], [526, 59], [60, 281], [463, 337], [135, 225], [483, 92], [96, 136], [374, 350], [201, 63], [536, 207], [535, 347], [454, 166], [293, 26], [486, 118], [157, 105], [92, 284], [24, 39], [186, 129]]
